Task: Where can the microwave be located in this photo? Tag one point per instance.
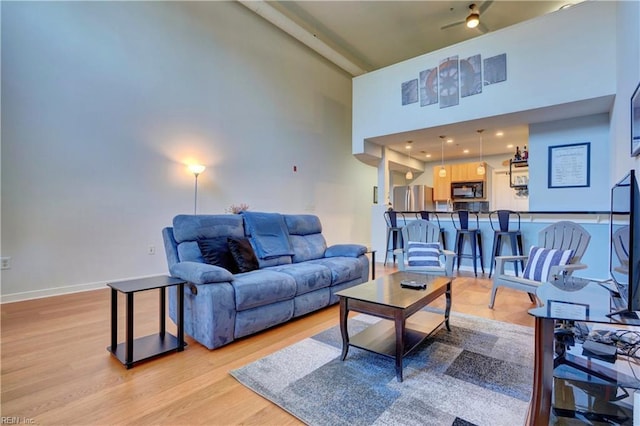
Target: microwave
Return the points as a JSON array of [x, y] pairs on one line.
[[467, 190]]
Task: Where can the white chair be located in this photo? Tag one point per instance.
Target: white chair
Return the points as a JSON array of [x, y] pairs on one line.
[[621, 247], [423, 231], [562, 235]]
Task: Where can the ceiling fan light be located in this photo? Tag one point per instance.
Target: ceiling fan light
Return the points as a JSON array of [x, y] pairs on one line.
[[473, 20]]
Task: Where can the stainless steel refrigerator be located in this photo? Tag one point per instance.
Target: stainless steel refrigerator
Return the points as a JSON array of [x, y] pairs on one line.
[[412, 198]]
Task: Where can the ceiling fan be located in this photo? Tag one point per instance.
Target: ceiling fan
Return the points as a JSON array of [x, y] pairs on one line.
[[473, 20]]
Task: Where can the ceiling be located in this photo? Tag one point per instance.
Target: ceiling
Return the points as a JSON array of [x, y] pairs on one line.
[[376, 34]]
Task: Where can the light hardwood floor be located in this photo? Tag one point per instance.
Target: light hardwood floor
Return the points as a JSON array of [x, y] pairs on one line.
[[56, 369]]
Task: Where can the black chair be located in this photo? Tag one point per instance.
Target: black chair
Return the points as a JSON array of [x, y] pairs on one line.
[[394, 234], [430, 216], [505, 226], [460, 219]]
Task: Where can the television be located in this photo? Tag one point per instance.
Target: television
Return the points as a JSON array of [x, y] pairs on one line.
[[624, 253]]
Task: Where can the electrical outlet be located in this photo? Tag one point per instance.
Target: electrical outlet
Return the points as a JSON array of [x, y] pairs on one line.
[[151, 250], [5, 263]]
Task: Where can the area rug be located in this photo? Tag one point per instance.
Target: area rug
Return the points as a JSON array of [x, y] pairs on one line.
[[479, 373]]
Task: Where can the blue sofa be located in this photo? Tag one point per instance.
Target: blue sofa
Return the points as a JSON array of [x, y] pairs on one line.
[[297, 273]]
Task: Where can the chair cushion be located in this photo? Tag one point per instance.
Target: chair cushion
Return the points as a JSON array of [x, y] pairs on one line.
[[243, 254], [541, 260], [423, 254]]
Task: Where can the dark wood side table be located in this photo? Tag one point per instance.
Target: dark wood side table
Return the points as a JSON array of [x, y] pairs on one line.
[[373, 262], [143, 348]]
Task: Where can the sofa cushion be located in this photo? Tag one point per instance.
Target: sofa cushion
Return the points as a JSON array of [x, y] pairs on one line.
[[189, 251], [243, 254], [342, 269], [305, 235], [303, 224], [200, 227], [348, 250], [274, 261], [259, 288], [541, 260], [215, 251], [270, 234], [308, 247], [308, 275]]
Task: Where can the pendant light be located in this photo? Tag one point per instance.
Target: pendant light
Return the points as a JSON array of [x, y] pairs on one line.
[[443, 172], [409, 175], [481, 169]]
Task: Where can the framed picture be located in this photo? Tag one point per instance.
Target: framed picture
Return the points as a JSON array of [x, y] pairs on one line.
[[569, 165], [567, 310], [635, 122]]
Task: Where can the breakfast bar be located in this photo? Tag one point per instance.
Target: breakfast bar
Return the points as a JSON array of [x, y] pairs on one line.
[[531, 222]]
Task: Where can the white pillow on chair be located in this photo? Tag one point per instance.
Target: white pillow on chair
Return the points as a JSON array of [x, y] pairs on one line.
[[423, 254], [542, 259]]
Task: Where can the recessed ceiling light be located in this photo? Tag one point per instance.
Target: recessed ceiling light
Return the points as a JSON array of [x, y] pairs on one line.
[[466, 151], [449, 140], [510, 146], [428, 155], [499, 133]]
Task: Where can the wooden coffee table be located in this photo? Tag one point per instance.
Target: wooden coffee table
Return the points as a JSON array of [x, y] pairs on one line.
[[385, 298]]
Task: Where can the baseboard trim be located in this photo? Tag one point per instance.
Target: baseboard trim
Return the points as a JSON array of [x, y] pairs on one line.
[[59, 291]]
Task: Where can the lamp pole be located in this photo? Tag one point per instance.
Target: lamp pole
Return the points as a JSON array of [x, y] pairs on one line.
[[195, 197], [196, 169]]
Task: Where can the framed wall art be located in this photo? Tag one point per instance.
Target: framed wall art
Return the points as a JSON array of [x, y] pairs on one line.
[[569, 165], [635, 122]]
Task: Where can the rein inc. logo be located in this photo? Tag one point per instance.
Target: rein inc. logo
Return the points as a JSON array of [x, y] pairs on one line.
[[16, 420]]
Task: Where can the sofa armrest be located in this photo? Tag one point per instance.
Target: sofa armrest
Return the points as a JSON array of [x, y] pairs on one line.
[[345, 250], [200, 273]]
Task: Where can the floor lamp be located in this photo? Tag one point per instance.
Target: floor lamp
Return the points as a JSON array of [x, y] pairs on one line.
[[196, 169]]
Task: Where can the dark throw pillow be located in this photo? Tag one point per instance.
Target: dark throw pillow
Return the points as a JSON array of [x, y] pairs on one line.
[[215, 251], [243, 254]]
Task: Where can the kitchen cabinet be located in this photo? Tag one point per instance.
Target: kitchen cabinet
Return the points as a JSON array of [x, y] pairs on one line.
[[468, 172], [441, 185]]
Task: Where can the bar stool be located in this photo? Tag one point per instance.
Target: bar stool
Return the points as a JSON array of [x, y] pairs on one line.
[[394, 234], [460, 219], [504, 229], [423, 214]]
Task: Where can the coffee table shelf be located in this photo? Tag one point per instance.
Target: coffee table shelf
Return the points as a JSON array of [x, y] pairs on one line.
[[381, 336]]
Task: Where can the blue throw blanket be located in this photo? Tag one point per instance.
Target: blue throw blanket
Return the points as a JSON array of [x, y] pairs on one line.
[[270, 234]]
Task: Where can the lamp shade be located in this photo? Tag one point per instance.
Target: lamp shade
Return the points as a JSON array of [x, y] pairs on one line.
[[443, 172], [409, 175], [480, 170], [196, 169]]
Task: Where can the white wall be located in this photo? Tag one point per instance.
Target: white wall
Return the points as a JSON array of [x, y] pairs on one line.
[[551, 60], [593, 129], [103, 104], [627, 78]]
